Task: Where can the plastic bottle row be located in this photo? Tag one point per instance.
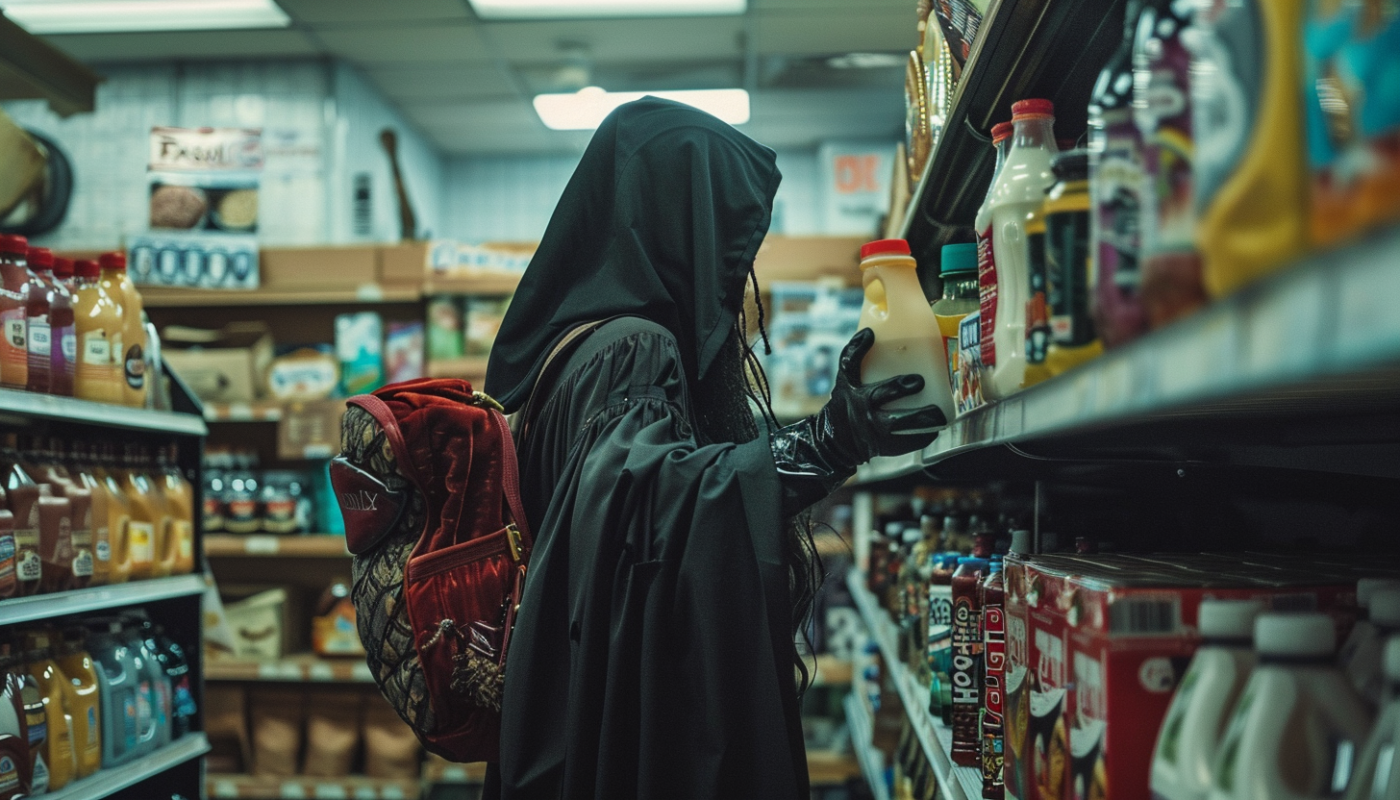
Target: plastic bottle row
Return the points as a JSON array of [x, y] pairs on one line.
[[84, 697], [76, 514], [75, 329]]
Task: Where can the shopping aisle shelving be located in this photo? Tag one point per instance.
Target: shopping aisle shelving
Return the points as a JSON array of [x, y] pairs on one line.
[[309, 545], [305, 668], [107, 782], [957, 783], [51, 408], [872, 761], [249, 787], [97, 598]]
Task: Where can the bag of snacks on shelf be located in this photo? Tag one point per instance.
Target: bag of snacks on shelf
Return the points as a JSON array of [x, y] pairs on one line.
[[333, 732], [276, 717], [391, 750]]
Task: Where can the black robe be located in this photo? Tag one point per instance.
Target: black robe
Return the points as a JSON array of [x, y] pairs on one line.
[[653, 652]]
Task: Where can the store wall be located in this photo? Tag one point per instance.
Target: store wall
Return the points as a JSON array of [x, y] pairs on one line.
[[320, 124]]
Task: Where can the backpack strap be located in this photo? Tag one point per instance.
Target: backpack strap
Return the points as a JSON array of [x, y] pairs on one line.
[[549, 370], [511, 478]]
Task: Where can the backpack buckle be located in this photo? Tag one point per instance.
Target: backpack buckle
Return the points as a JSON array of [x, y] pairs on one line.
[[513, 539]]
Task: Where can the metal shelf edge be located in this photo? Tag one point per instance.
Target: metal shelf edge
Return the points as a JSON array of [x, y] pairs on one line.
[[14, 402], [862, 731], [97, 598], [107, 782]]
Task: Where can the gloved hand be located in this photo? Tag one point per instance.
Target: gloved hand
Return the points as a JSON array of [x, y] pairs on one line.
[[818, 454]]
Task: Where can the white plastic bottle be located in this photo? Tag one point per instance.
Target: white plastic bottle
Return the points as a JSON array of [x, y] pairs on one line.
[[1377, 775], [1195, 721], [1001, 142], [1365, 669], [1018, 190], [907, 338], [1296, 731]]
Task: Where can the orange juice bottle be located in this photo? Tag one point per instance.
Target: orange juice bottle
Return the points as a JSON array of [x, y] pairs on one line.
[[81, 461], [147, 516], [179, 498], [98, 322], [118, 516], [131, 358], [84, 705], [167, 535], [55, 690]]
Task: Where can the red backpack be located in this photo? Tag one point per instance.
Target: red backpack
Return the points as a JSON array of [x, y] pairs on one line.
[[427, 481]]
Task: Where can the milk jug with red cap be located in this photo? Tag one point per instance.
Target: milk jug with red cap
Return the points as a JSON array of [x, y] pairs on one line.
[[907, 337]]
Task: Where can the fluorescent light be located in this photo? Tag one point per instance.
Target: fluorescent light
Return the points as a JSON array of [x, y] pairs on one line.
[[585, 109], [129, 16], [538, 9]]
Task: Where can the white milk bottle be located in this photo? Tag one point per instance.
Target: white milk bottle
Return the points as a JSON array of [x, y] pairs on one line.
[[1195, 721], [1365, 669], [1377, 775], [1018, 190], [907, 338], [1366, 588], [1296, 731]]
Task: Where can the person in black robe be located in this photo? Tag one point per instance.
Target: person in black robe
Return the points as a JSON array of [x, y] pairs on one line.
[[653, 654]]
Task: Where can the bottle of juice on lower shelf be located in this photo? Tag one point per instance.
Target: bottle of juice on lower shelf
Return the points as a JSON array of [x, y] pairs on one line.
[[14, 303], [35, 725], [119, 690], [119, 565], [50, 368], [22, 495], [1250, 175], [1116, 189], [81, 460], [1365, 669], [179, 498], [1019, 190], [1195, 721], [68, 482], [9, 570], [55, 690], [84, 705], [56, 553], [992, 597], [97, 321], [967, 654], [1294, 733], [132, 359], [1068, 265], [15, 766], [1377, 775], [145, 527], [907, 339]]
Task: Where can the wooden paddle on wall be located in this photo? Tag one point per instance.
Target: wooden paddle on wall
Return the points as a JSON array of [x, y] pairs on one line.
[[408, 223]]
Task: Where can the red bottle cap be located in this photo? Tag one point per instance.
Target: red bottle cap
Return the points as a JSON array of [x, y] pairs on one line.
[[62, 268], [1032, 108], [112, 261], [40, 259], [881, 247], [1001, 132], [85, 268], [17, 245]]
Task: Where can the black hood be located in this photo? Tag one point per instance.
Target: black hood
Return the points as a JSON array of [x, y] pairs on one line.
[[660, 220]]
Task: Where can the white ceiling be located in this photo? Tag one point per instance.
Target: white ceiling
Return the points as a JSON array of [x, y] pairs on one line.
[[467, 84]]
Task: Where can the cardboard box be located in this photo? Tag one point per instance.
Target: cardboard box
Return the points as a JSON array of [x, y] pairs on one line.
[[320, 267], [310, 429], [226, 365], [405, 263]]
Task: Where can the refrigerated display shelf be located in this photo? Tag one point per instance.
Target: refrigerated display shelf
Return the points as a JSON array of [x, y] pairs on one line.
[[304, 668], [97, 598], [1317, 343], [957, 783], [872, 761], [308, 545], [352, 787], [107, 782], [32, 406]]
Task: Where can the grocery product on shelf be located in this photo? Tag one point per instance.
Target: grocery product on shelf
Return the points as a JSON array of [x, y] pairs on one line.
[[957, 268], [1352, 116], [1019, 189], [992, 599], [333, 628], [130, 358], [906, 332], [35, 722], [359, 346], [15, 283], [1297, 709], [1363, 633], [1376, 776], [83, 702], [179, 498], [1116, 188], [967, 655], [155, 703], [51, 340], [1365, 668], [98, 324], [1068, 265], [146, 525], [960, 21], [969, 378], [22, 495], [1195, 721], [171, 658], [54, 690], [1247, 119], [1037, 311], [1171, 268], [918, 132]]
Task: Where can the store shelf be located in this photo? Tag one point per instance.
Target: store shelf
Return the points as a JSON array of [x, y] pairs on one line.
[[98, 598], [872, 761], [439, 771], [469, 367], [958, 783], [167, 297], [1025, 48], [308, 545], [260, 411], [31, 68], [31, 406], [826, 768], [353, 787], [483, 283], [110, 781], [830, 671], [304, 668]]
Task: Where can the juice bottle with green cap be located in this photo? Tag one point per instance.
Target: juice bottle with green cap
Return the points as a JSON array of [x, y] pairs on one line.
[[957, 267]]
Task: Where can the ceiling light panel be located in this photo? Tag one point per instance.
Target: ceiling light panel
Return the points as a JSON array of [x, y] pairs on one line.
[[574, 9], [586, 108], [128, 16]]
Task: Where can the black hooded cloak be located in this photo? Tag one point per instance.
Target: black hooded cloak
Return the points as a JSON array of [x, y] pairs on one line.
[[653, 653]]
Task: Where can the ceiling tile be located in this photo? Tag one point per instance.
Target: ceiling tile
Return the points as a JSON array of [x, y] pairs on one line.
[[620, 40], [460, 43], [172, 45], [318, 12], [848, 30], [493, 114], [408, 84]]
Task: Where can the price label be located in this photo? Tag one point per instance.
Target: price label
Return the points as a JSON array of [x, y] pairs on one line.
[[261, 545], [330, 791], [321, 672], [224, 789], [293, 791]]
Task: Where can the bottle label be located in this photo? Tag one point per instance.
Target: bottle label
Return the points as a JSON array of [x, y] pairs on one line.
[[28, 566], [40, 341], [135, 367], [1037, 313], [987, 295], [68, 344], [184, 536], [967, 697], [97, 351], [9, 774], [1165, 120], [143, 542], [1067, 278], [7, 564], [103, 548], [14, 349], [993, 696], [82, 564], [92, 738]]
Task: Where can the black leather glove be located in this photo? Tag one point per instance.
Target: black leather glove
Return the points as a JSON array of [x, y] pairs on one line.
[[818, 454]]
